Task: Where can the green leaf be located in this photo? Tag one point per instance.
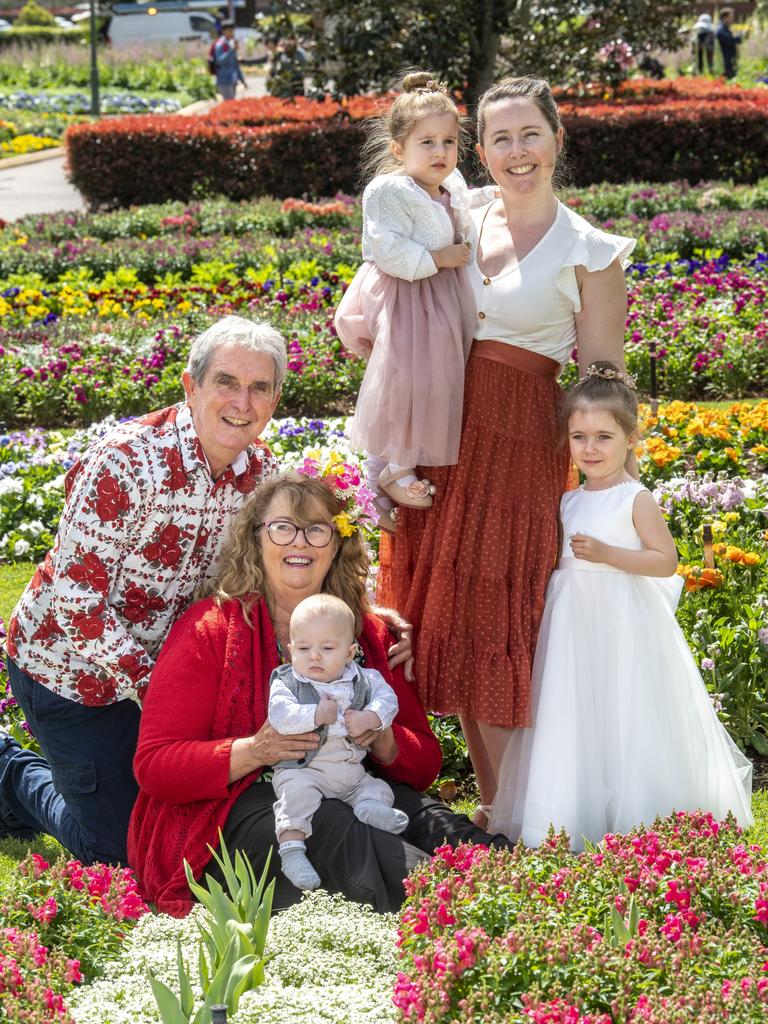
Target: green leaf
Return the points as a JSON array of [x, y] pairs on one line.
[[167, 1003], [187, 999]]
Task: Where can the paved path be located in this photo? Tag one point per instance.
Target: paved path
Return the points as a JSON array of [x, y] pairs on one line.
[[42, 187]]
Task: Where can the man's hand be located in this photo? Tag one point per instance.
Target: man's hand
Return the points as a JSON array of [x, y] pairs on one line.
[[327, 711], [400, 653], [588, 548]]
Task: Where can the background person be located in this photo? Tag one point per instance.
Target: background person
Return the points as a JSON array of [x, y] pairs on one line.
[[226, 64], [471, 572], [704, 44], [728, 42], [205, 740]]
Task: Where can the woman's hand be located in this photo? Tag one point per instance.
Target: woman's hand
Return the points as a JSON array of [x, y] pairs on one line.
[[267, 747], [451, 256], [400, 653], [383, 746]]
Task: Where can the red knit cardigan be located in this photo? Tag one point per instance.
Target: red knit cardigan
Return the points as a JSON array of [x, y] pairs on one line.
[[209, 686]]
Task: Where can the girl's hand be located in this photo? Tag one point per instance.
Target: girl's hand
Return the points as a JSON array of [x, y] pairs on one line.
[[452, 256], [588, 548], [327, 711]]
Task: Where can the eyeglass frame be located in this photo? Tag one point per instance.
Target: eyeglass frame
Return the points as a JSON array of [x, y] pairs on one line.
[[298, 529]]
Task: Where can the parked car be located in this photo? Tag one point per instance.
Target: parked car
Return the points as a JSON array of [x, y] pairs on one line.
[[146, 24], [63, 22], [5, 25]]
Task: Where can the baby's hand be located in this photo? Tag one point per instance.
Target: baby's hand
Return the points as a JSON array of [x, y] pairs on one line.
[[327, 711], [452, 256], [588, 548], [360, 722]]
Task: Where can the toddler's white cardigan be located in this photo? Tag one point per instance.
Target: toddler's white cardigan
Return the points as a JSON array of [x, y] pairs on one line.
[[402, 223]]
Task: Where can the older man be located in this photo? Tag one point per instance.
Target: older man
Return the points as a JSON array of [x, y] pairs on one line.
[[147, 510]]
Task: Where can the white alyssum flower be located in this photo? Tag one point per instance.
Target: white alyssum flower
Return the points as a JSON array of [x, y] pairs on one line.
[[332, 961]]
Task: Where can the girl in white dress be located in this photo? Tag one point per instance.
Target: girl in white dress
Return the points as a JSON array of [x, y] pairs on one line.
[[623, 727], [410, 307]]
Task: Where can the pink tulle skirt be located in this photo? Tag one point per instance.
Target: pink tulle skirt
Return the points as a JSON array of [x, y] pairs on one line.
[[417, 335]]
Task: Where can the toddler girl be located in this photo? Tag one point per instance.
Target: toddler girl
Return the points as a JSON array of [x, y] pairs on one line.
[[410, 307], [323, 688], [623, 727]]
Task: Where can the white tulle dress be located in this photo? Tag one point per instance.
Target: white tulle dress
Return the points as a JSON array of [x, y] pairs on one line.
[[623, 727]]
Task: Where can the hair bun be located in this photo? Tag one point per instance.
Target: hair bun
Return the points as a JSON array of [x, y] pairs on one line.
[[422, 81]]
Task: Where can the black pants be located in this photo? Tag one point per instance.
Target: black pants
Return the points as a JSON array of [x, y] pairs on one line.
[[363, 863]]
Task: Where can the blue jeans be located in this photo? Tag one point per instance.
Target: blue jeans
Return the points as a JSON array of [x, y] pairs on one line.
[[83, 790]]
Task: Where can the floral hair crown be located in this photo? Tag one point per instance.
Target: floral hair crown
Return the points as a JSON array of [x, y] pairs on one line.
[[606, 373], [343, 480]]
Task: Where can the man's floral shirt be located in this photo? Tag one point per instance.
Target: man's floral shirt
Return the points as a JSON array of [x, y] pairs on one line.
[[142, 528]]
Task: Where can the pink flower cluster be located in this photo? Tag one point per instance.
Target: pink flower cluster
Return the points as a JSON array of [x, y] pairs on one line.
[[114, 890], [32, 979], [530, 935]]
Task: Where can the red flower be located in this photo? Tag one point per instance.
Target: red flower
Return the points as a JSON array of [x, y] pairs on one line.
[[90, 624], [90, 571]]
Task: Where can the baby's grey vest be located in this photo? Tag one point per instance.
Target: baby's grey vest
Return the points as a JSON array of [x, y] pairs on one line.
[[305, 693]]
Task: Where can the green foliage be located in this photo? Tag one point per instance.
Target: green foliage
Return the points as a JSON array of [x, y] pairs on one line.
[[366, 45], [231, 954], [32, 13]]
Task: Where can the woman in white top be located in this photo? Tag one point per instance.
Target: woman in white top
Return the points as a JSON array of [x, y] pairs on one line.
[[471, 576]]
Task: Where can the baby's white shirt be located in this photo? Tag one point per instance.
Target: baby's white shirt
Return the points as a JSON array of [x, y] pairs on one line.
[[288, 716]]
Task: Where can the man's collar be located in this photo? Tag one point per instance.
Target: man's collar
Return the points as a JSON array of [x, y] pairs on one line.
[[192, 454]]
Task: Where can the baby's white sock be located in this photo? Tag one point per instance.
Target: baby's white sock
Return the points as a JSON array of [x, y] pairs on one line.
[[388, 819], [296, 865]]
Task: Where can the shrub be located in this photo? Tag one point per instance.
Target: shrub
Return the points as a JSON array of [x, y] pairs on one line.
[[32, 13], [271, 146]]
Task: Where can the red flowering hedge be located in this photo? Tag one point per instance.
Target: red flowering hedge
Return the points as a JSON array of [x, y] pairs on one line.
[[269, 146]]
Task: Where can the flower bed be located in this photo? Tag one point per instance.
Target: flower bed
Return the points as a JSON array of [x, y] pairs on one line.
[[662, 926], [61, 926]]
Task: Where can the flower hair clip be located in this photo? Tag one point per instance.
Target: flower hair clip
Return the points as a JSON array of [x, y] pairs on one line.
[[606, 373], [343, 479]]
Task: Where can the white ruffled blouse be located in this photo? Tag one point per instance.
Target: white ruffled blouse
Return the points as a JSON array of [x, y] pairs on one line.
[[534, 303], [402, 223]]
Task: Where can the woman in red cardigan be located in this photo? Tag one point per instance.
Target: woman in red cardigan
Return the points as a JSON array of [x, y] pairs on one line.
[[205, 742]]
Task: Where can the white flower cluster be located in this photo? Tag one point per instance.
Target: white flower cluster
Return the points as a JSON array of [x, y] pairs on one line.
[[332, 961]]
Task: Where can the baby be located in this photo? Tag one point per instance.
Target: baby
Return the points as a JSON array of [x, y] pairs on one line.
[[324, 689]]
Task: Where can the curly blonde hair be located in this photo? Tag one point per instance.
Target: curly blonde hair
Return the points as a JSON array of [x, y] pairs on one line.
[[241, 574]]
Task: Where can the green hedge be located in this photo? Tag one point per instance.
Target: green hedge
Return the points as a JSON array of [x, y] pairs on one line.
[[35, 35]]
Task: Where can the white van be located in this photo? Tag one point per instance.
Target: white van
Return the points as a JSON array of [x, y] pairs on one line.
[[148, 24]]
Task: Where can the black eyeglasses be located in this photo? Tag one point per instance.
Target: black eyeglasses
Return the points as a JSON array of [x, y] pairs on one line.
[[283, 532]]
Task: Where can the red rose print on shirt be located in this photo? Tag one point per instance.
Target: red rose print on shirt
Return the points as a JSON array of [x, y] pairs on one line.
[[95, 690], [91, 572], [132, 667], [90, 624], [49, 628], [139, 603], [165, 549], [177, 478], [246, 482], [111, 501]]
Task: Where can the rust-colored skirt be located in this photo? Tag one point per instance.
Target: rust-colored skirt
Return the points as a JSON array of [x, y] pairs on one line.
[[470, 573]]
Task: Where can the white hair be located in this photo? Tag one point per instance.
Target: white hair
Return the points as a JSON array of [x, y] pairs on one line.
[[254, 335]]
